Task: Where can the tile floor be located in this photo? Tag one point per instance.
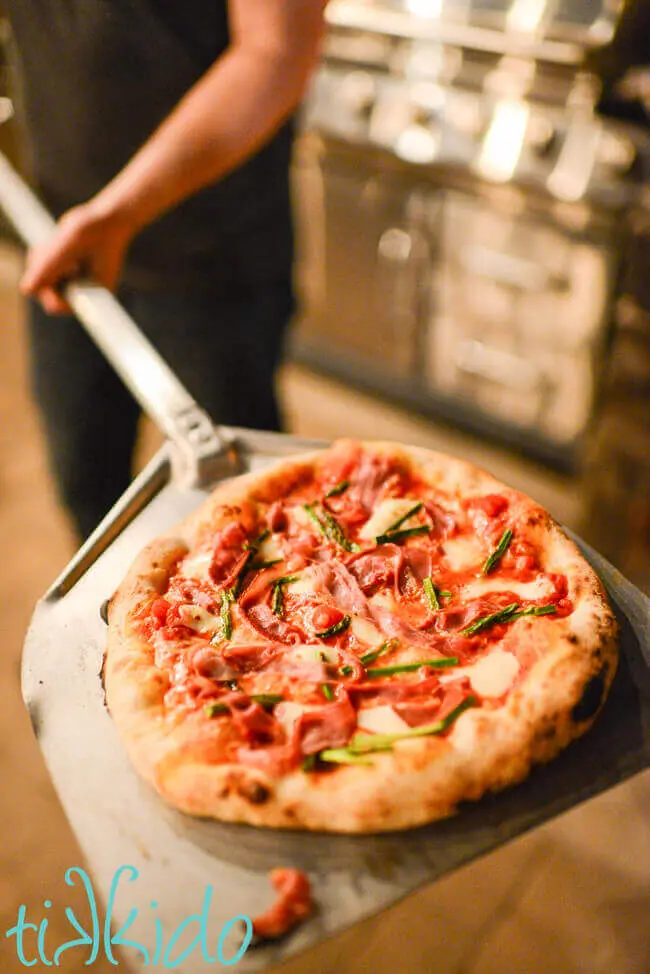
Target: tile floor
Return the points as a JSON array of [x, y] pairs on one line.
[[572, 897]]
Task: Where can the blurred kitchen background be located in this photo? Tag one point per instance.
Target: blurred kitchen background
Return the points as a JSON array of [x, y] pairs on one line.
[[472, 191]]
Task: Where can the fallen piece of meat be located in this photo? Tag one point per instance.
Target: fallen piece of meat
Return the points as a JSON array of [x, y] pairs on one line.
[[292, 906]]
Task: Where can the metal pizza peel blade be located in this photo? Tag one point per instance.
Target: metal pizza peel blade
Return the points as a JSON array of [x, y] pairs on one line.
[[119, 822]]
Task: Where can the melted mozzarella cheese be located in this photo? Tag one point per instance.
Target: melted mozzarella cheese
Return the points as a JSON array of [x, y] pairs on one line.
[[491, 676], [465, 552], [287, 713], [381, 720], [311, 654], [199, 619], [197, 566], [298, 515], [385, 515], [540, 588], [269, 550], [366, 631], [303, 585], [383, 600]]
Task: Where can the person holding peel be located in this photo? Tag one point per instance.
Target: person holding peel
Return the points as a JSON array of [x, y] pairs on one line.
[[159, 134]]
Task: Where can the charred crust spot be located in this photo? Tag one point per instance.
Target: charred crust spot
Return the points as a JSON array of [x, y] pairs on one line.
[[255, 792], [591, 699], [572, 638], [103, 610]]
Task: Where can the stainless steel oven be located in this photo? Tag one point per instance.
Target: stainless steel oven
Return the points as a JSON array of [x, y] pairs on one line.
[[461, 212]]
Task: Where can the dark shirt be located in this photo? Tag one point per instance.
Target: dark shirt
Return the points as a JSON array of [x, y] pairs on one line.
[[96, 78]]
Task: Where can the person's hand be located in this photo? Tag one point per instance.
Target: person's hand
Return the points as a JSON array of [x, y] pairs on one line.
[[87, 243]]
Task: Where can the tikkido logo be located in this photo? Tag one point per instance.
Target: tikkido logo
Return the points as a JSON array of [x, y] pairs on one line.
[[32, 946]]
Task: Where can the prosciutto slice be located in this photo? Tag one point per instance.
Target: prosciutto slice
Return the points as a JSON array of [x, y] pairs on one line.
[[332, 578], [227, 551], [275, 760], [248, 657], [328, 726], [417, 713], [209, 663], [376, 568], [381, 691], [372, 473], [292, 905], [443, 524], [273, 627]]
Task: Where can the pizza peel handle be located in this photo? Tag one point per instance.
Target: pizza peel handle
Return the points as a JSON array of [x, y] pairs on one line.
[[200, 454]]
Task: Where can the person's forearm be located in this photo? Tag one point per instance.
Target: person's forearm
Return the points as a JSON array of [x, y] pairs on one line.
[[224, 119]]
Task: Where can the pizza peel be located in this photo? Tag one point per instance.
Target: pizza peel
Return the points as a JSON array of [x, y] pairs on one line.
[[120, 822]]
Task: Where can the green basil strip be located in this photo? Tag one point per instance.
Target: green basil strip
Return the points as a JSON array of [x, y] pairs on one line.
[[334, 630], [254, 545], [485, 622], [439, 663], [331, 528], [328, 693], [309, 763], [216, 709], [277, 599], [431, 594], [498, 552], [346, 671], [259, 566], [267, 700], [338, 489], [365, 743], [341, 755], [537, 610], [227, 596], [395, 537], [445, 595], [386, 647], [402, 520]]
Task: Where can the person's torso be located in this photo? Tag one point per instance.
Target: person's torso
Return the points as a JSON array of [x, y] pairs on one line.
[[97, 77]]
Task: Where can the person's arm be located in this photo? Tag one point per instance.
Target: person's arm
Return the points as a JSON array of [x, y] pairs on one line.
[[224, 118]]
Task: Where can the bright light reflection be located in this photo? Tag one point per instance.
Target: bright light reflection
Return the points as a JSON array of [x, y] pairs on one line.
[[504, 141], [424, 8], [526, 15]]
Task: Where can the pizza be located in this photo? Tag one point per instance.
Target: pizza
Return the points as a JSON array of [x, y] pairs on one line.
[[355, 640]]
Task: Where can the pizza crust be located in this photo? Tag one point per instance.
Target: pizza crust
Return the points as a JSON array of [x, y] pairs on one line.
[[421, 779]]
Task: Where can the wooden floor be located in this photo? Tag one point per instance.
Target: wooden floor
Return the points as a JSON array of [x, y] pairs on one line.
[[570, 898]]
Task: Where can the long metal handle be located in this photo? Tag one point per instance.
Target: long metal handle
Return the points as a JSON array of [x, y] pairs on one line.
[[200, 452]]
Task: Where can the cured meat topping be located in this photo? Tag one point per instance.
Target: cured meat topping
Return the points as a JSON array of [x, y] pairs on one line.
[[362, 597]]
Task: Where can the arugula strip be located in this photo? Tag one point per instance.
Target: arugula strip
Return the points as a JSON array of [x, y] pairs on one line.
[[439, 663], [258, 566], [340, 755], [509, 614], [254, 545], [362, 744], [266, 700], [404, 518], [537, 610], [431, 594], [386, 647], [396, 536], [227, 598], [251, 547], [338, 489], [330, 527], [334, 630], [277, 598], [328, 693], [498, 552]]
